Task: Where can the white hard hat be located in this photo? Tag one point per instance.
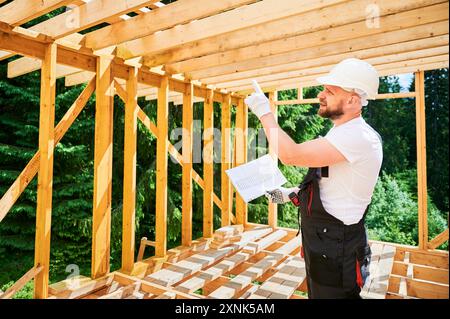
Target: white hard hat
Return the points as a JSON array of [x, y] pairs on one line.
[[354, 74]]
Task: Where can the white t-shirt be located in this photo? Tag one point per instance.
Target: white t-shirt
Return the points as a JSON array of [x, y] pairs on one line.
[[348, 189]]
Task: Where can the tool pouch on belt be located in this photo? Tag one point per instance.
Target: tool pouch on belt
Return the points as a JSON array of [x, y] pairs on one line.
[[363, 257]]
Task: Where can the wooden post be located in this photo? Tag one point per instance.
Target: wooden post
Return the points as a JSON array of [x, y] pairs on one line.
[[162, 147], [241, 156], [273, 208], [208, 164], [186, 216], [129, 173], [45, 175], [101, 222], [421, 159], [226, 161]]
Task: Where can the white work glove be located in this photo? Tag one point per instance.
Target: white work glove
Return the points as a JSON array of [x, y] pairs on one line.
[[280, 195], [257, 102]]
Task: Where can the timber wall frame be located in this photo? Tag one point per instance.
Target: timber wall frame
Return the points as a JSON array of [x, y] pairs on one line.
[[413, 38]]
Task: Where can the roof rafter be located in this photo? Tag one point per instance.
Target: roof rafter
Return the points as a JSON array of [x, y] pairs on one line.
[[309, 43], [310, 80], [414, 47], [428, 55], [20, 11], [175, 13], [311, 22], [237, 19]]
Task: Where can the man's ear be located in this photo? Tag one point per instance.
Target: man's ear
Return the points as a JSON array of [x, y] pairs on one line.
[[354, 99]]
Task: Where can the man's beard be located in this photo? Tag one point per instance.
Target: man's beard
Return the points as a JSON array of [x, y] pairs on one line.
[[331, 114]]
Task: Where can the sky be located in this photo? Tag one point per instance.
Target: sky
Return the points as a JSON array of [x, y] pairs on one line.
[[405, 80]]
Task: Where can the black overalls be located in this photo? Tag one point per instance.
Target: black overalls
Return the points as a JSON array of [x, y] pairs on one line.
[[337, 256]]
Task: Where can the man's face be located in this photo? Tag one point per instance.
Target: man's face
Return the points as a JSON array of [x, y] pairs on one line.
[[332, 102]]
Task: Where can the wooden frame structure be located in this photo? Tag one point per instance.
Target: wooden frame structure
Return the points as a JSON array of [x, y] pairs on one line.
[[193, 50]]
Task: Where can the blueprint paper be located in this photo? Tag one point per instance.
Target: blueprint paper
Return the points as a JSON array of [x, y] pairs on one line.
[[251, 180]]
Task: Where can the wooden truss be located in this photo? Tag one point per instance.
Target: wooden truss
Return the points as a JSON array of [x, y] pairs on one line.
[[207, 51]]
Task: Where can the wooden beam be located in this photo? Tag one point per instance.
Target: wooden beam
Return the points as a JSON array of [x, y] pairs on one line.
[[28, 173], [188, 130], [226, 161], [19, 284], [129, 173], [208, 165], [175, 13], [421, 159], [383, 70], [273, 208], [34, 47], [101, 221], [438, 240], [87, 15], [241, 156], [313, 73], [78, 78], [237, 19], [323, 43], [384, 96], [162, 147], [45, 175], [312, 21], [78, 18], [20, 11], [386, 54]]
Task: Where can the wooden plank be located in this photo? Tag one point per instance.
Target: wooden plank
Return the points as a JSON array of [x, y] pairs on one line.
[[164, 18], [28, 173], [189, 266], [45, 174], [129, 173], [87, 15], [315, 66], [19, 284], [273, 208], [187, 144], [232, 288], [284, 282], [162, 147], [374, 56], [101, 221], [384, 96], [377, 249], [237, 19], [85, 60], [123, 292], [313, 21], [421, 288], [422, 272], [421, 159], [311, 45], [427, 259], [78, 78], [212, 273], [438, 240], [226, 161], [383, 70], [20, 11], [241, 156], [380, 278], [208, 164], [78, 18]]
